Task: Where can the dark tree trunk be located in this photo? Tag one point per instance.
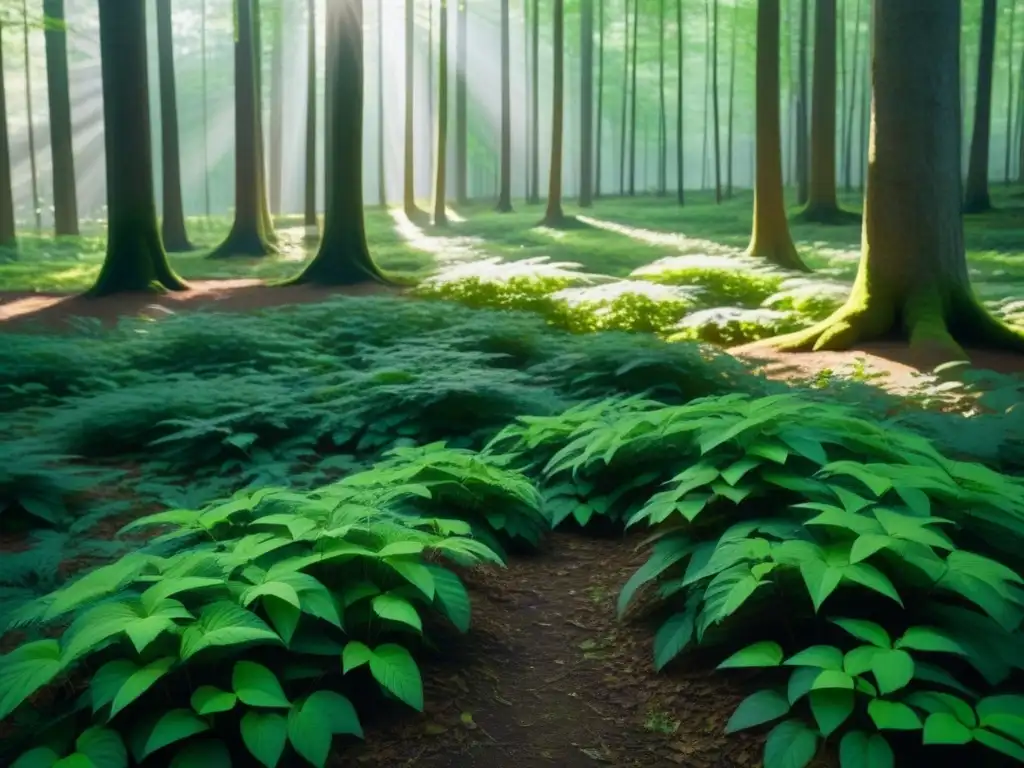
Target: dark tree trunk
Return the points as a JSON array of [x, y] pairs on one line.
[[65, 198], [553, 216], [632, 105], [623, 122], [535, 96], [977, 198], [714, 103], [461, 124], [135, 258], [802, 170], [505, 192], [312, 225], [8, 235], [343, 257], [37, 208], [250, 233], [441, 165], [586, 103], [277, 107], [680, 157], [173, 230], [1009, 91]]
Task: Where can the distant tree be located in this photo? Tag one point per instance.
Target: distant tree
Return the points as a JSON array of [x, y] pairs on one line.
[[441, 162], [310, 220], [586, 103], [802, 169], [623, 117], [8, 235], [277, 86], [632, 104], [977, 199], [534, 196], [851, 102], [382, 188], [714, 102], [505, 189], [680, 154], [37, 208], [732, 103], [62, 152], [662, 116], [461, 98], [554, 216], [1010, 91], [206, 100], [600, 99], [135, 258], [173, 223], [409, 171]]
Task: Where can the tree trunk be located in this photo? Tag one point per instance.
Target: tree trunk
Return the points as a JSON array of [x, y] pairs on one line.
[[505, 192], [277, 107], [409, 174], [770, 238], [704, 160], [526, 100], [976, 198], [266, 220], [441, 161], [535, 96], [802, 171], [680, 156], [732, 102], [65, 199], [822, 206], [343, 257], [553, 216], [135, 258], [173, 231], [250, 233], [8, 235], [312, 225], [586, 103], [714, 103], [37, 208], [206, 119], [841, 82], [461, 124], [623, 124], [1009, 91], [382, 185], [913, 279], [848, 145], [600, 98], [662, 117], [632, 107]]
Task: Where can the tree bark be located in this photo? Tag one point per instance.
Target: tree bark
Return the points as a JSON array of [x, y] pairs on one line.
[[8, 234], [553, 216], [732, 102], [802, 170], [623, 123], [135, 258], [312, 233], [632, 119], [714, 103], [277, 107], [505, 191], [266, 219], [976, 197], [441, 161], [770, 238], [913, 280], [461, 114], [586, 103], [1009, 91], [409, 189], [172, 229], [206, 119], [65, 198], [662, 117], [600, 99], [250, 233], [535, 108], [343, 257], [680, 156], [704, 159], [848, 144], [382, 186], [37, 209]]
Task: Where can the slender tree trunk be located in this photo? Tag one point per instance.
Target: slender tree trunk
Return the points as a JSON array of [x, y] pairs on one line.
[[802, 152], [37, 208], [632, 108], [732, 102], [249, 235], [277, 107], [913, 277], [526, 100], [680, 155], [586, 103], [505, 191], [8, 235], [535, 97], [173, 230], [1019, 132], [1009, 92], [382, 185], [714, 102], [461, 114], [865, 101], [848, 145], [135, 258], [841, 81], [623, 123], [705, 163], [600, 99], [662, 117], [312, 225], [65, 199], [409, 191], [206, 118], [770, 238], [440, 165], [553, 216], [266, 219], [976, 198]]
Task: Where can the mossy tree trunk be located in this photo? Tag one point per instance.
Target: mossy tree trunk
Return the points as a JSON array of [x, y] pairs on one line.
[[600, 99], [586, 103], [266, 219], [343, 257], [135, 258], [976, 198], [65, 198], [913, 281], [770, 238], [409, 168], [250, 233], [277, 87], [441, 160], [172, 225], [554, 216], [680, 154], [505, 190], [461, 105], [310, 220], [8, 235]]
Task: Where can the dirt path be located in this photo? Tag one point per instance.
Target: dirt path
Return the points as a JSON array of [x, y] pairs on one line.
[[548, 678]]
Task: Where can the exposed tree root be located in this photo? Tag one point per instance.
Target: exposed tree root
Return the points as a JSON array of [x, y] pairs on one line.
[[827, 214], [244, 244], [785, 256]]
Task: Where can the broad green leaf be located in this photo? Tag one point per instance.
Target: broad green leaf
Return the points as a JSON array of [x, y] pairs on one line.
[[771, 451], [763, 654], [832, 678], [805, 446], [893, 716], [223, 624], [831, 708], [397, 548], [395, 608], [892, 669], [999, 743], [278, 589], [257, 686], [673, 636], [801, 681], [930, 639], [25, 670], [284, 616], [660, 561], [95, 627], [355, 655], [859, 660], [868, 576], [862, 750], [312, 723], [868, 631], [791, 744], [108, 680], [933, 673], [209, 700], [452, 597], [170, 727], [944, 728], [867, 545], [74, 760], [758, 708], [139, 682], [167, 587], [265, 736], [417, 574], [207, 753], [40, 757], [395, 669], [1004, 704], [821, 656], [820, 579], [735, 472], [102, 747]]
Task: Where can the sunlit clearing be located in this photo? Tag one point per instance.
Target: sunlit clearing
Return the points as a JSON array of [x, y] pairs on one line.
[[443, 248], [653, 237], [496, 270], [706, 262], [612, 291]]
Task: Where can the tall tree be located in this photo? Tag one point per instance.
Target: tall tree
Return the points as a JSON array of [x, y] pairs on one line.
[[505, 192], [553, 216], [822, 205], [409, 189], [714, 103], [662, 117], [802, 171], [704, 162], [343, 257], [534, 196], [623, 123], [276, 181], [382, 187], [441, 161], [632, 105], [852, 101], [250, 233], [37, 208], [600, 98], [206, 118], [135, 258], [266, 220], [732, 102], [680, 155], [976, 196], [1009, 91], [770, 238], [461, 121], [913, 278], [586, 103], [310, 220], [173, 224], [65, 199], [8, 235]]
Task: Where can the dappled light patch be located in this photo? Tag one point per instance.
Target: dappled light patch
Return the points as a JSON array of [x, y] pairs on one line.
[[730, 326], [654, 237], [443, 247]]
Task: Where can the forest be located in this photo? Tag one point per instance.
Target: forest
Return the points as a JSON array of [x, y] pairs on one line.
[[514, 383]]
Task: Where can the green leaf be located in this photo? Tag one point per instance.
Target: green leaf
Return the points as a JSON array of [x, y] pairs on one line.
[[930, 639], [893, 716], [40, 757], [257, 686], [108, 680], [395, 669], [278, 589], [944, 728], [892, 669], [770, 451], [861, 750], [858, 660], [820, 579], [312, 723], [265, 736], [867, 631], [284, 616], [821, 656], [672, 637], [791, 744], [452, 597], [831, 708], [141, 681], [660, 561], [168, 587], [25, 670], [207, 753], [395, 608], [735, 472], [224, 624], [209, 700], [355, 655], [102, 747], [74, 760], [168, 728], [868, 576], [763, 654], [801, 682], [758, 708], [999, 744], [417, 574], [867, 545]]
